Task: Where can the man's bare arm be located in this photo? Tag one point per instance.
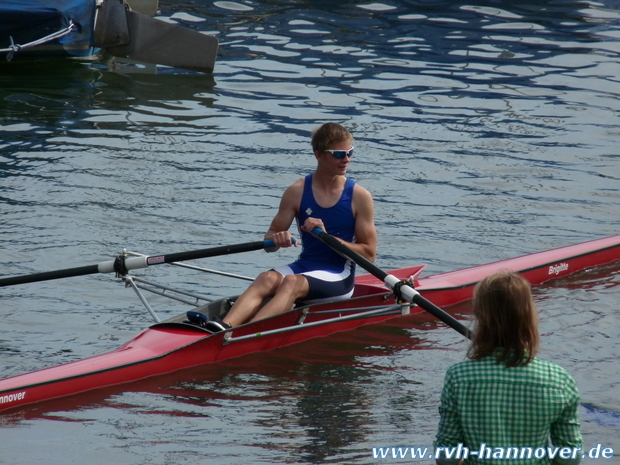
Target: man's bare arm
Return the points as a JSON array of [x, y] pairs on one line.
[[365, 231], [287, 211]]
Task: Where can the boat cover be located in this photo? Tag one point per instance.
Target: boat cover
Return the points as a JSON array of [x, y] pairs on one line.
[[28, 20]]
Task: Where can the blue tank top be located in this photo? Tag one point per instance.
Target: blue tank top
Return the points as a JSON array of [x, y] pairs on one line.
[[339, 221]]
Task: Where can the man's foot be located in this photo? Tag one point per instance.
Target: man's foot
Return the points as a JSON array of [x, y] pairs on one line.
[[217, 325]]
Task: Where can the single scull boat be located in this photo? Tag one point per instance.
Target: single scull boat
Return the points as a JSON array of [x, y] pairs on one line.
[[175, 344]]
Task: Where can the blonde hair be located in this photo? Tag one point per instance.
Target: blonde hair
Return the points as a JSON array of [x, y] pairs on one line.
[[506, 320], [329, 133]]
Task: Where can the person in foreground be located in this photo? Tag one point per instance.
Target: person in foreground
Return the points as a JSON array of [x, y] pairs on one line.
[[503, 396], [325, 199]]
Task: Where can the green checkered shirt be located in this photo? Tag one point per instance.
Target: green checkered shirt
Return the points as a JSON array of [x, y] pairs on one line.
[[525, 406]]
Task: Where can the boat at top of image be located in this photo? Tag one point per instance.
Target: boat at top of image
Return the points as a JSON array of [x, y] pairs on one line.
[[179, 343], [123, 28]]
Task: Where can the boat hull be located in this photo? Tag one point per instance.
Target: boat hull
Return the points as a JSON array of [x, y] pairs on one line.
[[25, 21], [456, 286], [174, 344]]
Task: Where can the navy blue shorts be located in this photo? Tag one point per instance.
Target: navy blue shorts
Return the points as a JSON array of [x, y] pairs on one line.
[[324, 285]]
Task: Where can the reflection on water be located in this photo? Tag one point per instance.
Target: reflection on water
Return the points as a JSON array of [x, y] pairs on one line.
[[484, 131], [334, 414]]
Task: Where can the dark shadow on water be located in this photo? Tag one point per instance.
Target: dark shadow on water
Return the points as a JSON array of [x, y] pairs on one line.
[[72, 81], [43, 99]]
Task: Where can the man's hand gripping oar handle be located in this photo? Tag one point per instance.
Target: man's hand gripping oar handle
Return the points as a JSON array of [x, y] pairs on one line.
[[404, 291]]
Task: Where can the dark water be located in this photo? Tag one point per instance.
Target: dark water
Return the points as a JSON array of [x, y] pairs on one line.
[[484, 131]]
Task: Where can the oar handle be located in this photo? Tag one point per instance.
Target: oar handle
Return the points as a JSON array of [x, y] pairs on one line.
[[407, 292]]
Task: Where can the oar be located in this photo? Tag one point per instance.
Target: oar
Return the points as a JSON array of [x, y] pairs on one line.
[[122, 264], [402, 290]]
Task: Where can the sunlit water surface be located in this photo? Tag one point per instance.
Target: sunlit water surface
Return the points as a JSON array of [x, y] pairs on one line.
[[484, 131]]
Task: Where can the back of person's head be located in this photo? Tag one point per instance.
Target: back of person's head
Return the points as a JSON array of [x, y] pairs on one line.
[[506, 320], [328, 134]]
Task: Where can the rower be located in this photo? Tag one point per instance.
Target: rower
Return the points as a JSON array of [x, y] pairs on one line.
[[325, 199]]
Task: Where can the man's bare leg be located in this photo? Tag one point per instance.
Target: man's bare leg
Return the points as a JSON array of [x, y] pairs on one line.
[[248, 303], [292, 287]]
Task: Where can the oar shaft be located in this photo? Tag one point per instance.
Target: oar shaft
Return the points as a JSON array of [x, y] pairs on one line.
[[48, 275], [132, 263], [407, 292], [411, 295], [211, 252]]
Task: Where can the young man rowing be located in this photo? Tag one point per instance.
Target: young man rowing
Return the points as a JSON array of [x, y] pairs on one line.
[[325, 199]]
